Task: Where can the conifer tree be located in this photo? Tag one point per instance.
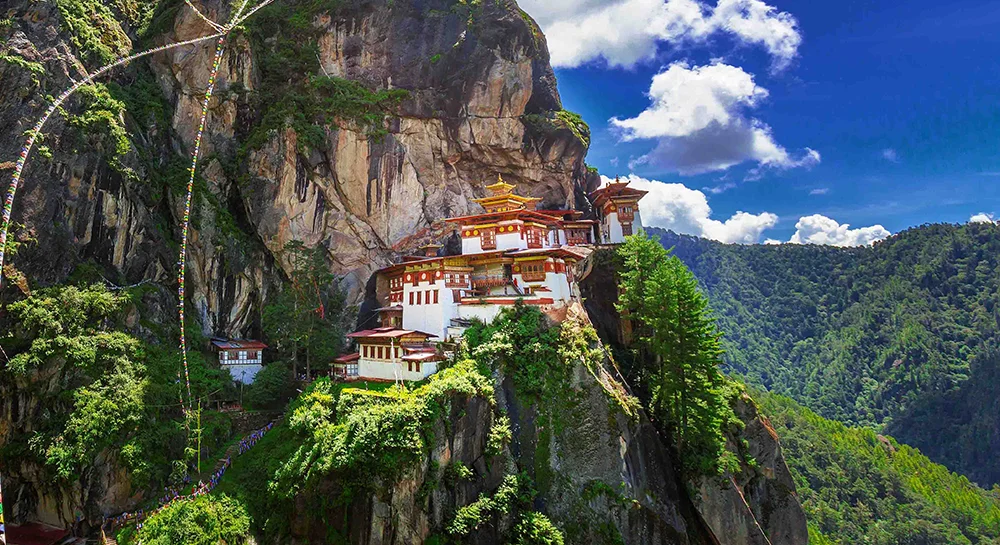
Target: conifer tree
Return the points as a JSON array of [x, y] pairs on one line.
[[672, 321]]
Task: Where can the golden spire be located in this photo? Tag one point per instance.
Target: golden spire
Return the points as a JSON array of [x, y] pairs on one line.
[[500, 187]]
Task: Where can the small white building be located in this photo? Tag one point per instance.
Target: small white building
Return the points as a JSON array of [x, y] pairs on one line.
[[389, 354], [618, 207], [243, 359]]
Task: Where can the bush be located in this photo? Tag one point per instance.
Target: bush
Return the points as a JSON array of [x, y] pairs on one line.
[[271, 387], [201, 521]]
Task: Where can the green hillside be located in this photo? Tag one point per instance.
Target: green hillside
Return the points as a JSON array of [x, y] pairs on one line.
[[902, 336], [860, 487]]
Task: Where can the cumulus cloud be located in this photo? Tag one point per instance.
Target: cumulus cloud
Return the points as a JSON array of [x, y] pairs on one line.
[[699, 117], [684, 210], [626, 32], [982, 217], [819, 229]]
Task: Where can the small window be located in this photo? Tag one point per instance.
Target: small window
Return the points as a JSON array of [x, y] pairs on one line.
[[435, 297], [626, 229], [420, 296], [411, 297]]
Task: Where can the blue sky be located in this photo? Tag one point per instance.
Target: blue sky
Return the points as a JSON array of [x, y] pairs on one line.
[[819, 114]]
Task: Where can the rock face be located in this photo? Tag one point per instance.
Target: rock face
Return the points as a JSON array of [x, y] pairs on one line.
[[481, 97], [756, 506]]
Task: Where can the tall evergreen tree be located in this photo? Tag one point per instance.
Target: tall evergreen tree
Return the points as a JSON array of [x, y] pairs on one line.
[[671, 319], [305, 320]]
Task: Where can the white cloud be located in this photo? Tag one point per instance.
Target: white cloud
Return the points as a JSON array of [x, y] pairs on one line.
[[626, 32], [890, 155], [819, 229], [820, 191], [684, 210], [982, 217], [699, 117]]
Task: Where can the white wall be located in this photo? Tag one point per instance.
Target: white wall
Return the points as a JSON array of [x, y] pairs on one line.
[[385, 370], [245, 373], [511, 241], [429, 318], [486, 313], [472, 245], [614, 228]]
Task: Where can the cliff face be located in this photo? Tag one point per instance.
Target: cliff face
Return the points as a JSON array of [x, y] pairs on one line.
[[758, 504], [481, 101]]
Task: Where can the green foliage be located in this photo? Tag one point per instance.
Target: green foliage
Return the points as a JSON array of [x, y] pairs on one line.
[[101, 122], [524, 346], [366, 435], [860, 487], [217, 520], [118, 396], [293, 91], [900, 336], [361, 435], [306, 320], [457, 472], [97, 28], [470, 517], [271, 387], [555, 121], [536, 529], [35, 68], [499, 436], [660, 296]]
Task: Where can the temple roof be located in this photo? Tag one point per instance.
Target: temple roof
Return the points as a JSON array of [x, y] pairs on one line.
[[387, 333], [236, 344], [614, 190]]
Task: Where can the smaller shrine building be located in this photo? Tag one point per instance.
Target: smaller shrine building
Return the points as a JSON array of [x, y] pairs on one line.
[[243, 359]]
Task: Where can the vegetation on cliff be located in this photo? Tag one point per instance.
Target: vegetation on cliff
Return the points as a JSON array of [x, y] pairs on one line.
[[95, 389], [201, 521], [900, 336], [670, 319], [860, 487], [294, 92]]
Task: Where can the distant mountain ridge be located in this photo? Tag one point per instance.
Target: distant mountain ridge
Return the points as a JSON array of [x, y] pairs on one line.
[[901, 336]]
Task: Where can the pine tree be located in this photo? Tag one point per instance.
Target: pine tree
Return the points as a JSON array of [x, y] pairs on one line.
[[307, 317], [672, 320]]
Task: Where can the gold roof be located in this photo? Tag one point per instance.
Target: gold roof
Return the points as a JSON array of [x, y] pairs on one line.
[[501, 194]]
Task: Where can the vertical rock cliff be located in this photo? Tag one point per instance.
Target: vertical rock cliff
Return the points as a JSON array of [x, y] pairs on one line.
[[480, 100]]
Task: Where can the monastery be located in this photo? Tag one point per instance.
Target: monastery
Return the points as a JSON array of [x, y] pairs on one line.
[[511, 252]]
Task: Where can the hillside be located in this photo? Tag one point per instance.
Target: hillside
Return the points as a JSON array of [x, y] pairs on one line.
[[860, 487], [901, 336]]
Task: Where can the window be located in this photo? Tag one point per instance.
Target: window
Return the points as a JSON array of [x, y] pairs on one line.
[[626, 229], [411, 297], [534, 238], [417, 365], [223, 355], [420, 295], [427, 297], [488, 239], [435, 297], [243, 354], [533, 272]]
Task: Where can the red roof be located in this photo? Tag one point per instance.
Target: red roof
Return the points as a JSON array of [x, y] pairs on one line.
[[236, 344], [386, 333], [347, 358], [615, 189]]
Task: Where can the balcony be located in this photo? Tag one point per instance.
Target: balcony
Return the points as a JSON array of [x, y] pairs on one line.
[[490, 280]]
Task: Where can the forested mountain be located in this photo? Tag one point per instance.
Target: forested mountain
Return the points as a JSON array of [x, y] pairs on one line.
[[860, 487], [901, 336]]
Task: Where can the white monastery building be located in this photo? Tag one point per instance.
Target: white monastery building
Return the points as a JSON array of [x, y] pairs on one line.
[[243, 359], [512, 252]]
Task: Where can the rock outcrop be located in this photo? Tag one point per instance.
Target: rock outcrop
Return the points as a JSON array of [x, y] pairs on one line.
[[482, 101]]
